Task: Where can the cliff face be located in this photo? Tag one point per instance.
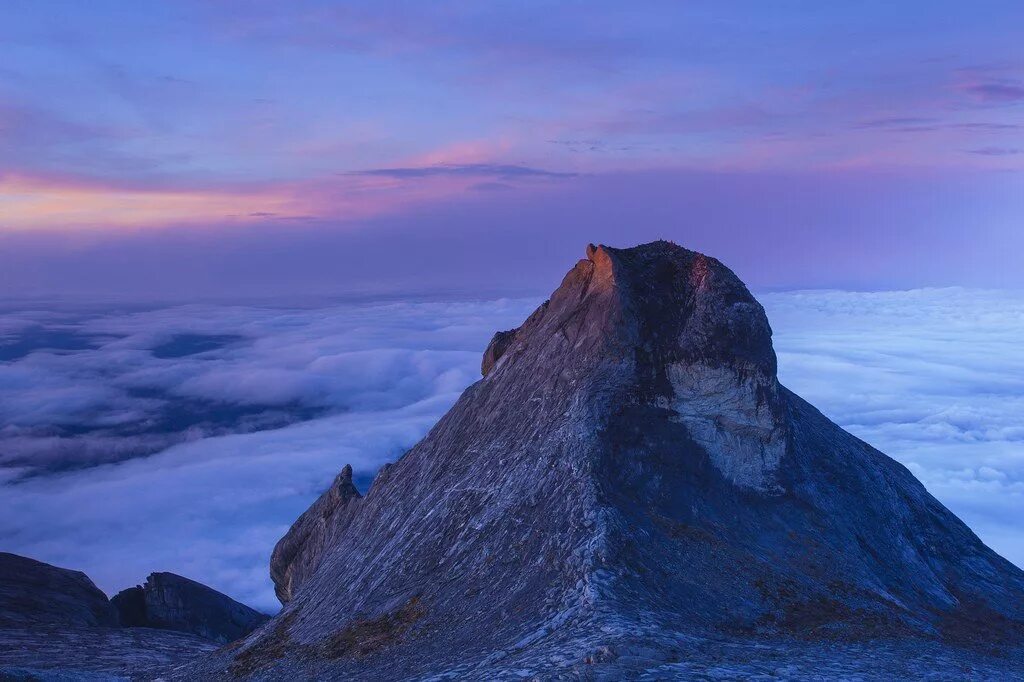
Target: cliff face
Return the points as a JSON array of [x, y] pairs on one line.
[[629, 466]]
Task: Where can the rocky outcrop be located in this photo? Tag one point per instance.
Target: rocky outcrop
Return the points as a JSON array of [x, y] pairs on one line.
[[298, 554], [33, 593], [629, 486], [171, 602], [56, 624], [495, 349]]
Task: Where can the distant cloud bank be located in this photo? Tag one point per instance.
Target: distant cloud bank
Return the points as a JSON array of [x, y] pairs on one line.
[[188, 438]]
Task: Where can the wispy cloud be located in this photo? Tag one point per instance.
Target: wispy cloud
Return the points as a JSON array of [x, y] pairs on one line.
[[897, 122], [703, 120], [35, 202], [63, 202], [178, 119], [996, 92], [996, 151], [911, 124], [464, 170], [987, 127]]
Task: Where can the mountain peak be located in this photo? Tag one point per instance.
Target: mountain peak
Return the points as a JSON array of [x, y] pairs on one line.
[[687, 305], [664, 300], [627, 475], [686, 334]]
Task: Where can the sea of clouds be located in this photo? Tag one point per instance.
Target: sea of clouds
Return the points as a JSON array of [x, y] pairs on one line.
[[188, 438]]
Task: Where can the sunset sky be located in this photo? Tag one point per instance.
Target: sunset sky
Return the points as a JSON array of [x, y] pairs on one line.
[[185, 148]]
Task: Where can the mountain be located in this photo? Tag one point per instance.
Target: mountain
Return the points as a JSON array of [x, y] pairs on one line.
[[630, 491]]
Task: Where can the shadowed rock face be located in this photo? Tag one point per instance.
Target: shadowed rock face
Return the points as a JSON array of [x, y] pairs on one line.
[[298, 554], [55, 624], [171, 602], [628, 476], [33, 593]]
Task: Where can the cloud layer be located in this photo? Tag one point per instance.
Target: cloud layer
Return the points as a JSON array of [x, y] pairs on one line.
[[206, 489], [931, 377]]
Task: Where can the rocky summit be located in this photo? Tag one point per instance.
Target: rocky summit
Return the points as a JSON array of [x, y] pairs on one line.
[[629, 493]]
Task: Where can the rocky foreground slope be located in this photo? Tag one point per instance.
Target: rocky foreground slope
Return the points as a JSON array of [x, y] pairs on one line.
[[56, 624], [629, 492]]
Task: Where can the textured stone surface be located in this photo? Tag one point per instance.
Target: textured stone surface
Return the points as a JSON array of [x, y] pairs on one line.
[[34, 593], [298, 554], [171, 602], [56, 625], [60, 653], [629, 491], [495, 349]]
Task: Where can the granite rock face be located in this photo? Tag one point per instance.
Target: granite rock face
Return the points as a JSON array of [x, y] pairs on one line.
[[628, 483], [76, 654], [33, 593], [170, 602], [496, 348]]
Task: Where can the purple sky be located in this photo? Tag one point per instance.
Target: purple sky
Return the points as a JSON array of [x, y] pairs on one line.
[[197, 149]]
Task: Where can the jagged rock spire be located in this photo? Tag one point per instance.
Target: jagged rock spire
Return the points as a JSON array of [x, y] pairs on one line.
[[297, 555]]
